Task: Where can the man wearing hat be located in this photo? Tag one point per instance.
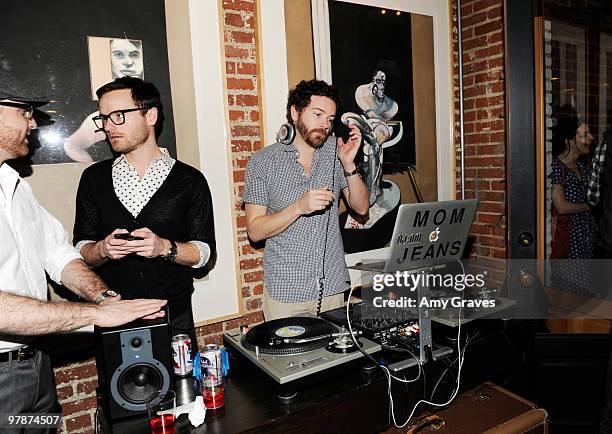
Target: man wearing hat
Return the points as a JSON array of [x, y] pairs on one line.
[[34, 242]]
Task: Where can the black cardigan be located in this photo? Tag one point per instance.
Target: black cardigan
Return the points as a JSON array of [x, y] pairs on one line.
[[180, 210]]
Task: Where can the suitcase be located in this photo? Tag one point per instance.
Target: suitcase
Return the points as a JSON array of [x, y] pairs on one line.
[[487, 408]]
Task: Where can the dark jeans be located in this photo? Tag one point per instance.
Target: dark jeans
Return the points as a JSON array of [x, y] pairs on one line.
[[28, 387]]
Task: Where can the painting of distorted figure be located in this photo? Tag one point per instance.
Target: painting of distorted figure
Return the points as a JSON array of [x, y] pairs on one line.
[[372, 68]]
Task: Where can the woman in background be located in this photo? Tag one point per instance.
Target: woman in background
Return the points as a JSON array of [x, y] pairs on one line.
[[574, 228]]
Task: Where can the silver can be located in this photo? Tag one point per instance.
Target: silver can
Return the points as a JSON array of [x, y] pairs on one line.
[[210, 357], [181, 354]]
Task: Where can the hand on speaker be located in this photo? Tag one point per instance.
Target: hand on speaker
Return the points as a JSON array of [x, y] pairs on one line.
[[123, 311], [115, 299]]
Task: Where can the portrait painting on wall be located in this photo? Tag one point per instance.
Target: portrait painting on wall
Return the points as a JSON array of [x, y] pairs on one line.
[[66, 64], [111, 58], [371, 66]]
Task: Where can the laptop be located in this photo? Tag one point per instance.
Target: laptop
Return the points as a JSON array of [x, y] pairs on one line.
[[426, 235]]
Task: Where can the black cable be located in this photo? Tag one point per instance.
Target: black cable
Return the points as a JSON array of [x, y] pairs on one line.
[[468, 341], [329, 213], [321, 289], [488, 333], [354, 339], [449, 366], [406, 384], [425, 383], [399, 350]]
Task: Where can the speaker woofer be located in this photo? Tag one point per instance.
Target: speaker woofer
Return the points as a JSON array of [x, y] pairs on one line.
[[139, 383], [133, 363]]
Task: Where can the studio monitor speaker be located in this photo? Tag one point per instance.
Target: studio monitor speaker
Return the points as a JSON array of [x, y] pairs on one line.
[[134, 364]]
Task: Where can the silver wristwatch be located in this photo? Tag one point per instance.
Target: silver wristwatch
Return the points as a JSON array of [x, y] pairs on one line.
[[170, 255], [104, 295]]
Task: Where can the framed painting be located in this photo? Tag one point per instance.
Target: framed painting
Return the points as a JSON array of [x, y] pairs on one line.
[[384, 89], [67, 62]]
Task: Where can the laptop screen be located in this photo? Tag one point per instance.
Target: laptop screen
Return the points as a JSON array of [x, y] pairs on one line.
[[430, 233]]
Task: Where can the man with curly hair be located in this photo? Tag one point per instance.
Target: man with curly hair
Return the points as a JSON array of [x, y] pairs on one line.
[[291, 200]]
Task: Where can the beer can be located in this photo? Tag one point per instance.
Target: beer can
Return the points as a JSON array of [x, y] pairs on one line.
[[211, 360], [181, 354]]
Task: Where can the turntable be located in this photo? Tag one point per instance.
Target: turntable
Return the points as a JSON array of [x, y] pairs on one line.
[[295, 352]]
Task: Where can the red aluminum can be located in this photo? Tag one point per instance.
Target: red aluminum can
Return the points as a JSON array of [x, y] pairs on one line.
[[181, 354]]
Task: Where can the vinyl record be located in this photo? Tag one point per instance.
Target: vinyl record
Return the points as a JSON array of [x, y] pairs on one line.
[[282, 336]]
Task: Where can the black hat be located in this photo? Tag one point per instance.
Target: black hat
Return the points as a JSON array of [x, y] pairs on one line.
[[11, 88]]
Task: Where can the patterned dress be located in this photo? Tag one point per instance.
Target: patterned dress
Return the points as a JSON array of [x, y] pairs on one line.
[[574, 276], [583, 226]]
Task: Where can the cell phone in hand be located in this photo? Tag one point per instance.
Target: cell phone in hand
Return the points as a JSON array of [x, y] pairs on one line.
[[342, 131], [127, 236]]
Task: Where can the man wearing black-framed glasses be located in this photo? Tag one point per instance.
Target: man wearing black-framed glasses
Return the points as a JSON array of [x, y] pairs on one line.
[[117, 117], [144, 219], [32, 243]]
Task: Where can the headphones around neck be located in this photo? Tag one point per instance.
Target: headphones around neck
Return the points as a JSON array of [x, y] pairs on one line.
[[286, 133]]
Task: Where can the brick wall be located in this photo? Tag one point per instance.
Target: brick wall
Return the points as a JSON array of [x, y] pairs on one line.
[[484, 121], [485, 165], [243, 100], [76, 389]]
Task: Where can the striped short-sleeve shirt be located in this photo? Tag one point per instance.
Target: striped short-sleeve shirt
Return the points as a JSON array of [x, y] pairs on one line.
[[296, 259]]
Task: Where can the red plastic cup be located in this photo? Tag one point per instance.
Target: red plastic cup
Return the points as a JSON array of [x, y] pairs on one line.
[[161, 410], [214, 390]]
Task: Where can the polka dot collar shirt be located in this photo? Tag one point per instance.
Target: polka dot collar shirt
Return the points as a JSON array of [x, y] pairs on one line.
[[133, 192]]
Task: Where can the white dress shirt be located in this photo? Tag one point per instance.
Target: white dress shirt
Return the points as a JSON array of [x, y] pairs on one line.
[[32, 241]]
